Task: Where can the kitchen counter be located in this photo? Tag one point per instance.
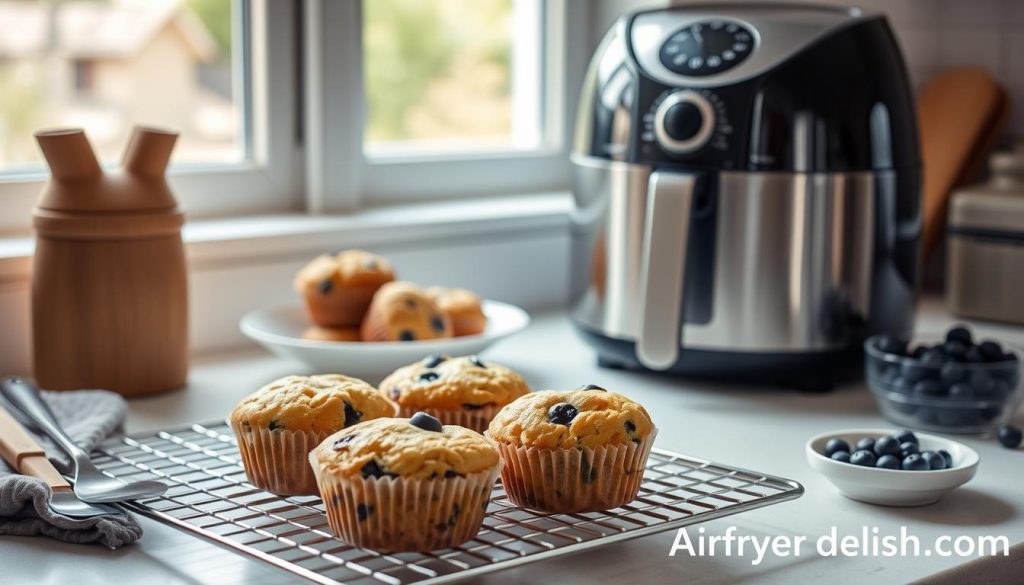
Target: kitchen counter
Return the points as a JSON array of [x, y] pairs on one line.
[[752, 427]]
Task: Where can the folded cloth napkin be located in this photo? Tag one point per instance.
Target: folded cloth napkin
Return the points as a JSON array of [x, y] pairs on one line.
[[88, 416]]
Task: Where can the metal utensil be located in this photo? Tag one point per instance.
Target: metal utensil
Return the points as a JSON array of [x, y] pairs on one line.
[[26, 456], [91, 484]]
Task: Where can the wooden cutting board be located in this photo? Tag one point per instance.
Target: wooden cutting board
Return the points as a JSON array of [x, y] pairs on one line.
[[961, 113]]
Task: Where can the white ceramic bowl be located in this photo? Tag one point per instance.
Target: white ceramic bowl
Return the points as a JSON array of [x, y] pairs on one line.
[[279, 329], [890, 487]]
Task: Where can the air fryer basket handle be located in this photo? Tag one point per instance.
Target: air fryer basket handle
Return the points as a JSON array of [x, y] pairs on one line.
[[670, 198]]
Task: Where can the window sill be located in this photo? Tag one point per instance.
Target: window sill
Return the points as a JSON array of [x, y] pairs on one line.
[[266, 238]]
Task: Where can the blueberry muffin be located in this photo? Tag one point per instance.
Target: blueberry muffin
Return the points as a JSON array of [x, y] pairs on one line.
[[577, 451], [462, 307], [338, 289], [282, 422], [405, 484], [402, 311], [464, 391], [317, 333]]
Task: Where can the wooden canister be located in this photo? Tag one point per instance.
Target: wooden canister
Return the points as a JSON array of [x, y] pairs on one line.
[[109, 287]]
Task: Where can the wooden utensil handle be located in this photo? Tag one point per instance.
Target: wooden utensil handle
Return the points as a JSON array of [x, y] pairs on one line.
[[21, 451]]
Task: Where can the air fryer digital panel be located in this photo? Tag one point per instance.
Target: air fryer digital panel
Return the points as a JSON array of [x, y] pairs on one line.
[[694, 48]]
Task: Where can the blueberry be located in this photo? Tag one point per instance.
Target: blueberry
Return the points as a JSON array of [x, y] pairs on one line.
[[907, 436], [973, 355], [432, 361], [933, 357], [914, 463], [474, 406], [836, 445], [352, 416], [934, 460], [864, 458], [913, 373], [1009, 437], [426, 422], [437, 323], [866, 444], [960, 333], [373, 469], [562, 413], [592, 387], [370, 264], [892, 345], [411, 303], [326, 285], [427, 377], [927, 389], [407, 335], [908, 448], [956, 350], [475, 360], [888, 462], [274, 424], [982, 382], [452, 474], [363, 511], [991, 351], [948, 457], [887, 445], [961, 391], [841, 456], [951, 373], [343, 442], [918, 351]]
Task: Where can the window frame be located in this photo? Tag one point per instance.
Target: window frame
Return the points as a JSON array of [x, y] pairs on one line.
[[335, 109], [268, 179]]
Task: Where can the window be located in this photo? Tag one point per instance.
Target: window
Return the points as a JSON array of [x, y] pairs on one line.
[[292, 105], [452, 75], [106, 65]]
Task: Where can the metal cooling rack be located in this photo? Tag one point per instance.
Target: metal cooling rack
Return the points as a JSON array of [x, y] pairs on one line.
[[210, 496]]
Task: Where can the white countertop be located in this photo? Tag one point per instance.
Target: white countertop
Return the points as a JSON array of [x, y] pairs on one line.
[[756, 428]]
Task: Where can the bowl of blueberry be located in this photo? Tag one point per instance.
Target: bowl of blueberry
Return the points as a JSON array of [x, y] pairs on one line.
[[892, 469], [949, 383]]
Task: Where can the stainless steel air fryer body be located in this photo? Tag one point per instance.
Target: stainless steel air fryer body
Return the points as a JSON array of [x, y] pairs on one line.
[[747, 192]]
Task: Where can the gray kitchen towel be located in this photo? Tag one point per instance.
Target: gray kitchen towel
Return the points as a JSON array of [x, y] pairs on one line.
[[89, 417]]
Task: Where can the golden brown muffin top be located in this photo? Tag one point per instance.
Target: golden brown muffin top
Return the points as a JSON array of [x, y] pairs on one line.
[[407, 314], [318, 404], [455, 301], [575, 418], [346, 268], [394, 447], [460, 383]]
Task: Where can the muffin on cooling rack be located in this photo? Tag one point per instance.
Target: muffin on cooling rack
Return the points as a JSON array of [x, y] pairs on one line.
[[577, 451], [464, 391], [402, 311], [405, 484], [338, 289], [463, 308], [282, 422]]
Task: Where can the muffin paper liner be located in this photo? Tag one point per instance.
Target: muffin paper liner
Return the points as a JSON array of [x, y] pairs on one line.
[[468, 324], [396, 514], [574, 479], [476, 420], [278, 461], [344, 308]]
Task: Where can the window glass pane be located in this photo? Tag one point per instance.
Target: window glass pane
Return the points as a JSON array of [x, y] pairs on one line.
[[105, 65], [452, 74]]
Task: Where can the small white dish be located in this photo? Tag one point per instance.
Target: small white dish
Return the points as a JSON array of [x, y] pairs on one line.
[[279, 329], [890, 487]]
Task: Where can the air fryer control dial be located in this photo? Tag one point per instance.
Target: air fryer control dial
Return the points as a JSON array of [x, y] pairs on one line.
[[683, 122], [707, 47]]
